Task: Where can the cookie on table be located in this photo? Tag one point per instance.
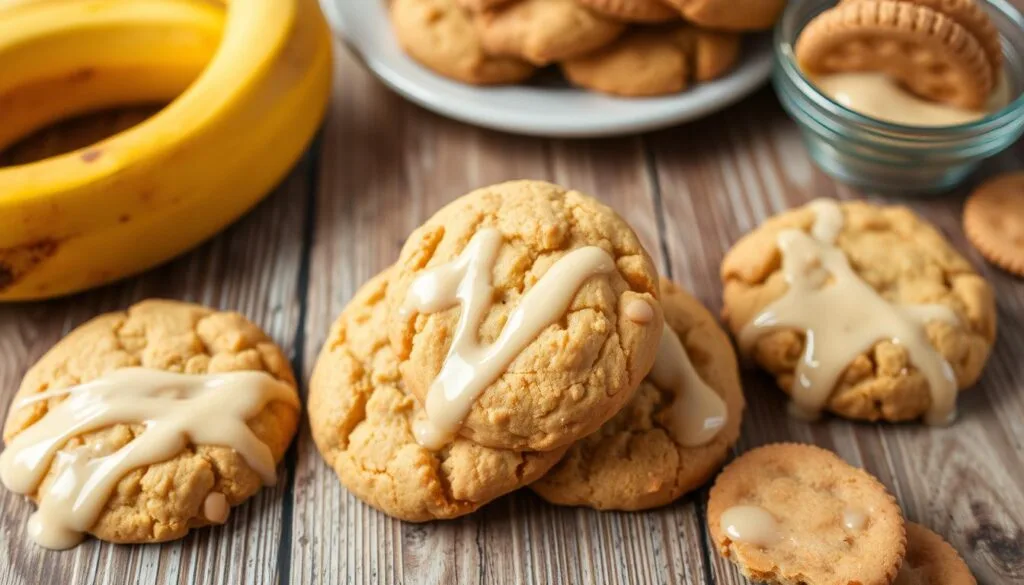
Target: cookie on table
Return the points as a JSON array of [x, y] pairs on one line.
[[640, 11], [930, 560], [924, 50], [907, 262], [193, 488], [789, 513], [362, 421], [994, 221], [650, 62], [577, 372], [733, 15], [544, 31], [635, 462], [440, 35]]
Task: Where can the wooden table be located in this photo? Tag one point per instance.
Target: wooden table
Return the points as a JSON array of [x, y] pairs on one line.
[[380, 167]]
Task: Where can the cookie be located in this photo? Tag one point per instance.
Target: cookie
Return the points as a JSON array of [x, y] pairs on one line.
[[119, 370], [970, 15], [924, 50], [544, 352], [642, 11], [789, 513], [647, 62], [635, 461], [362, 421], [733, 15], [441, 36], [994, 221], [544, 31], [930, 560], [911, 285]]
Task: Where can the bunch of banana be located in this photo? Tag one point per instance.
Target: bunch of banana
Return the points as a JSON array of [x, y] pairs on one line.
[[249, 84]]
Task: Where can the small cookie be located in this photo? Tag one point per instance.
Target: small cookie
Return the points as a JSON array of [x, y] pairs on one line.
[[440, 35], [544, 31], [734, 15], [905, 260], [789, 513], [655, 62], [643, 11], [195, 487], [633, 462], [994, 221], [924, 50], [970, 15], [564, 382], [362, 419], [930, 560]]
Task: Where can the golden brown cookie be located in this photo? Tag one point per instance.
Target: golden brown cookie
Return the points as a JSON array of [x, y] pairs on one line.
[[646, 62], [734, 15], [440, 35], [633, 462], [970, 15], [930, 560], [576, 373], [544, 31], [994, 221], [907, 262], [924, 50], [165, 500], [789, 513], [643, 11], [362, 419]]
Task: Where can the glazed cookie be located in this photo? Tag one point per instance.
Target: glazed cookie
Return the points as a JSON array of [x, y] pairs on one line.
[[362, 422], [643, 11], [924, 50], [931, 560], [734, 15], [544, 31], [646, 456], [655, 62], [789, 513], [509, 316], [440, 35], [909, 322], [161, 418], [994, 221]]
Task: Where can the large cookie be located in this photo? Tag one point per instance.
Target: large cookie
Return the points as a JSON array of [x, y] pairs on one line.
[[564, 382], [362, 422], [634, 461]]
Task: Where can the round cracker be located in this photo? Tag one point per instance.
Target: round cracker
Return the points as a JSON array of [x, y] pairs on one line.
[[994, 221]]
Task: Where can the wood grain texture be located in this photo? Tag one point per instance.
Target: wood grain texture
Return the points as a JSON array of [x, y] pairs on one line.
[[381, 167]]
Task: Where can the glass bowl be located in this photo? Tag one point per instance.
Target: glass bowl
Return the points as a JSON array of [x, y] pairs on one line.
[[885, 157]]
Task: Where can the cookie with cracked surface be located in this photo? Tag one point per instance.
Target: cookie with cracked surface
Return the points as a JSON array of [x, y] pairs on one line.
[[924, 50], [161, 501], [635, 461], [994, 221], [642, 11], [733, 15], [789, 513], [579, 370], [362, 422], [440, 35], [931, 560], [907, 262], [544, 31]]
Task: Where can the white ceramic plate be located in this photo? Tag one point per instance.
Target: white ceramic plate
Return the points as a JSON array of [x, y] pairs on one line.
[[538, 108]]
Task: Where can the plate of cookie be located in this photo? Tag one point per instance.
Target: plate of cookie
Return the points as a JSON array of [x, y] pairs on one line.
[[563, 68]]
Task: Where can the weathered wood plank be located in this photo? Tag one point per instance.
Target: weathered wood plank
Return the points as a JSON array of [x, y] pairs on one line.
[[253, 267]]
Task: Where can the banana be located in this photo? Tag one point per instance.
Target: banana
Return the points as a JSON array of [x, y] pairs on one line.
[[144, 196]]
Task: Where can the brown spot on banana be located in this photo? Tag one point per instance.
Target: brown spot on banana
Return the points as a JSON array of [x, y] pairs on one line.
[[18, 261]]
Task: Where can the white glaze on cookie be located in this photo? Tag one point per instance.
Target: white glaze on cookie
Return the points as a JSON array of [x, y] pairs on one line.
[[843, 317], [750, 524], [697, 411], [176, 409], [469, 366]]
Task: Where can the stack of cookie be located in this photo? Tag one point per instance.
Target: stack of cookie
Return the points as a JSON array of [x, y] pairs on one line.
[[523, 330], [621, 47]]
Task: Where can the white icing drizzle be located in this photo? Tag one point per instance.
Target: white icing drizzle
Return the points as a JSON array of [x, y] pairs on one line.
[[854, 519], [843, 316], [176, 409], [469, 366], [750, 524]]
